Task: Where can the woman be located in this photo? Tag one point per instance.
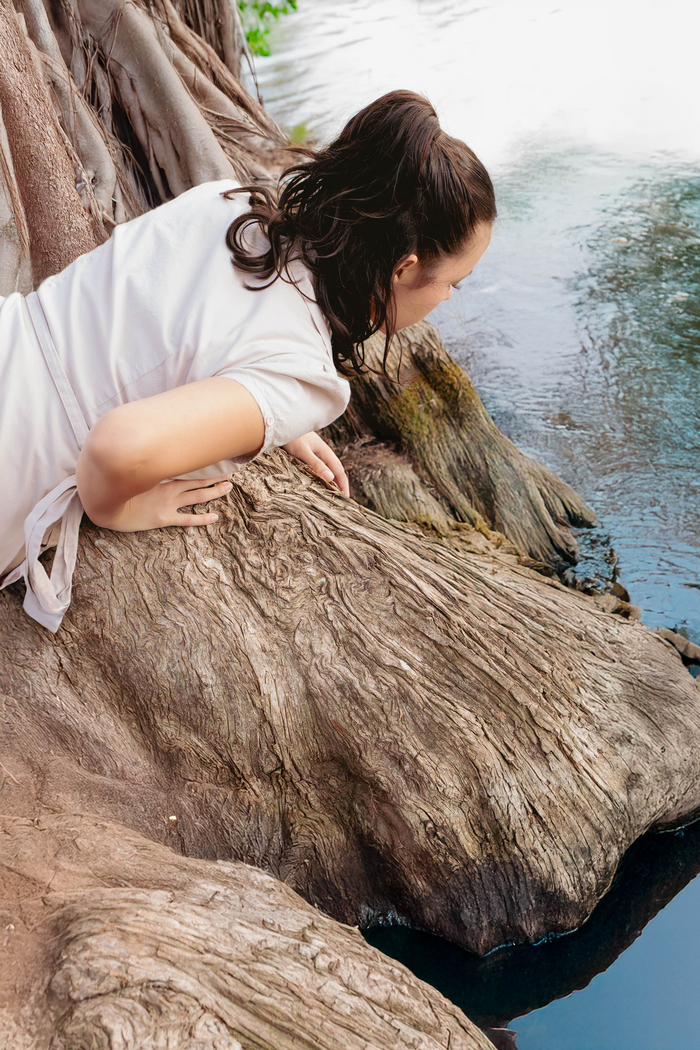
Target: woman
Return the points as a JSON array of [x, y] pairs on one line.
[[152, 358]]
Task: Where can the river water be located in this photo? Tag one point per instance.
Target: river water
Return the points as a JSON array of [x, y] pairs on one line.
[[581, 331]]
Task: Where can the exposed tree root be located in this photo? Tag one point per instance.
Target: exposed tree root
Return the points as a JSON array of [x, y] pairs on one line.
[[464, 469], [117, 942], [396, 728]]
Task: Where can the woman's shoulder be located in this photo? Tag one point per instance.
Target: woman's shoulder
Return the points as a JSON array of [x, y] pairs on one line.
[[213, 202], [225, 191]]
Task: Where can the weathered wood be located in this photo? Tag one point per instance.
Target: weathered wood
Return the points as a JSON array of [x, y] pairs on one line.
[[397, 728], [688, 650], [119, 943], [41, 163], [464, 469]]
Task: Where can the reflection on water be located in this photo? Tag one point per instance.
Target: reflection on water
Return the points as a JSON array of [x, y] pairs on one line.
[[510, 982], [581, 331]]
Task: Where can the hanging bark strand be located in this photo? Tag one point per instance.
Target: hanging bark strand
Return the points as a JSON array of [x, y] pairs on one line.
[[43, 170], [78, 121], [180, 147], [8, 182], [216, 71]]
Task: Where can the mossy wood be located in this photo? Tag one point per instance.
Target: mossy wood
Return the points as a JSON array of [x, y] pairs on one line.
[[424, 449]]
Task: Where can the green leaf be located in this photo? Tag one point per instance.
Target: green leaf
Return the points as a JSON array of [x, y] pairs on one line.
[[257, 16]]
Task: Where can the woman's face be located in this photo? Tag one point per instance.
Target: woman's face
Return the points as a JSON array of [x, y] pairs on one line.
[[417, 293]]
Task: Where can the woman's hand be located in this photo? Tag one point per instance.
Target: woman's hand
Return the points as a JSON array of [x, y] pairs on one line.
[[131, 449], [160, 506], [313, 450]]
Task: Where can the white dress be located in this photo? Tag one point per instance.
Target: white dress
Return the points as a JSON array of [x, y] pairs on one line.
[[157, 306]]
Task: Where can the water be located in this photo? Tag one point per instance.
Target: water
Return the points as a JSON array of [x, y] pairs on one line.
[[581, 331], [643, 1001]]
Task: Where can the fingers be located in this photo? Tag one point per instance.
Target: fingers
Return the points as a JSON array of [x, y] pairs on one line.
[[185, 520], [341, 478], [188, 497], [329, 467]]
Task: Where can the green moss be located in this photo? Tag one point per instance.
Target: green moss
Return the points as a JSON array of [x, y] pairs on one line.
[[410, 412], [448, 383], [420, 407], [433, 528]]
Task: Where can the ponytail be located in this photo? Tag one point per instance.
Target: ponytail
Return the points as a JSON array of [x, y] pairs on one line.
[[392, 183]]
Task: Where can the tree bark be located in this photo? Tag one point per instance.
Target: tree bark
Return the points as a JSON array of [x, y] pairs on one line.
[[41, 164], [118, 942], [402, 722], [399, 729], [426, 450]]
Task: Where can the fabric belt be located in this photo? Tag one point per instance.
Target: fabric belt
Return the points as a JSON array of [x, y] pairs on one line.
[[48, 597]]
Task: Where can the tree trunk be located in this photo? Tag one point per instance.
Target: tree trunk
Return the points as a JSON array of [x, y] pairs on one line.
[[48, 189], [402, 722]]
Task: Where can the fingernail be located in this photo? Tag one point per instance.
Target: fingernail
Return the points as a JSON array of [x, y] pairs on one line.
[[214, 517], [328, 475]]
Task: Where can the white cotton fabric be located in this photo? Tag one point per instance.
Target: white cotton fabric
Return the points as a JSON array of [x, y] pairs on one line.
[[157, 306]]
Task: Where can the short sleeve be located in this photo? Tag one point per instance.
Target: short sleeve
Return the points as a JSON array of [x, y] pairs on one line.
[[296, 387]]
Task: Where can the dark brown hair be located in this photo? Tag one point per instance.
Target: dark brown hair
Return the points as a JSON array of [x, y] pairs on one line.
[[391, 184]]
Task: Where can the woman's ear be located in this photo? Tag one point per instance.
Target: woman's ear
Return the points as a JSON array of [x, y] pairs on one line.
[[405, 267]]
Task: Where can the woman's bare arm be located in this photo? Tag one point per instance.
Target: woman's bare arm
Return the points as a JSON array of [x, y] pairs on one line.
[[136, 446]]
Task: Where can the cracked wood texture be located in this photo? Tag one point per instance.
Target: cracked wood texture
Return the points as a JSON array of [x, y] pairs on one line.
[[426, 450], [120, 944], [400, 729]]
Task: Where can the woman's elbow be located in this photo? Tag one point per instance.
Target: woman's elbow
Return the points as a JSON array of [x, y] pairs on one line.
[[111, 451]]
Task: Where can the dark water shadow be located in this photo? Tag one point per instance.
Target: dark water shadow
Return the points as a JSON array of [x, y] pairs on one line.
[[509, 982]]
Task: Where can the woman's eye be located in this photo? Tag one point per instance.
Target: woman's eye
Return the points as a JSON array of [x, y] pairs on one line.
[[457, 286]]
